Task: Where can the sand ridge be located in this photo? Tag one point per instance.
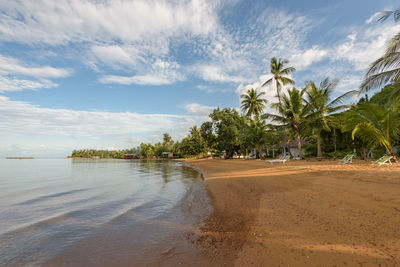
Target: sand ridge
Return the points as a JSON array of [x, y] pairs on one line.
[[303, 213]]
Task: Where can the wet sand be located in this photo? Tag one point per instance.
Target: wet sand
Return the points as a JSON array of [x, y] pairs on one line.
[[303, 213]]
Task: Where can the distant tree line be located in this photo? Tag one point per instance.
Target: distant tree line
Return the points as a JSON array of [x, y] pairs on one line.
[[115, 154], [308, 113]]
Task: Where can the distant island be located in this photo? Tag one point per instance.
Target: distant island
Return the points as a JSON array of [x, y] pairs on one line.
[[19, 157]]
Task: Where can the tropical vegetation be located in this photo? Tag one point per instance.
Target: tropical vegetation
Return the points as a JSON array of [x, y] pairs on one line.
[[314, 117]]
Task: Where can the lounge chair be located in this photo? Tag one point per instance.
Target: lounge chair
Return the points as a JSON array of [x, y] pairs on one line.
[[282, 159], [347, 159], [275, 160], [385, 160]]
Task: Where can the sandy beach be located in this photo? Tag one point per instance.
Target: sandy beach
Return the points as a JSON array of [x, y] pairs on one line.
[[303, 213]]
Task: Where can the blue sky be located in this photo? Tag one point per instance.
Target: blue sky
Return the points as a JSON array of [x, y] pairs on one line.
[[112, 74]]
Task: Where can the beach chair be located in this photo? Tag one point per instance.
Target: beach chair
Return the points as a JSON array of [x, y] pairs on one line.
[[347, 159], [282, 159], [385, 160], [275, 160]]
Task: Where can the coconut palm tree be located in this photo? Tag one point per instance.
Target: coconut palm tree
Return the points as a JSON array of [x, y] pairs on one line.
[[386, 68], [292, 114], [374, 124], [322, 107], [257, 133], [253, 103], [279, 74]]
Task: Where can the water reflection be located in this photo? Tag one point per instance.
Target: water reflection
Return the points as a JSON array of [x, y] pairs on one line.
[[48, 206]]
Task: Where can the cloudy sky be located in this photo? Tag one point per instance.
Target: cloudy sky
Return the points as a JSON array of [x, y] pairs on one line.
[[112, 74]]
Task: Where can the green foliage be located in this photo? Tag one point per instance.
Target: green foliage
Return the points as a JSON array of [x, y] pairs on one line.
[[208, 135], [166, 146], [322, 107], [257, 135], [310, 114], [376, 125], [115, 154], [228, 125], [280, 74], [385, 69], [146, 150], [385, 96], [311, 150], [253, 103], [194, 144], [338, 154], [292, 114]]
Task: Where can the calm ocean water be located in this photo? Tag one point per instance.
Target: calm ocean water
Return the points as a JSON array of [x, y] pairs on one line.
[[97, 212]]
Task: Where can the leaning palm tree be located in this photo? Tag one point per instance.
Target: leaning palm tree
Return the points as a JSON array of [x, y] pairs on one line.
[[279, 74], [322, 107], [253, 103], [386, 68], [292, 114], [374, 124]]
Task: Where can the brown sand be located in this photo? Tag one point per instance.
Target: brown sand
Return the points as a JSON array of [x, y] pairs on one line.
[[303, 213]]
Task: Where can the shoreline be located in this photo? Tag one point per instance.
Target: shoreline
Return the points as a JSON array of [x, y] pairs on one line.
[[171, 236], [301, 213]]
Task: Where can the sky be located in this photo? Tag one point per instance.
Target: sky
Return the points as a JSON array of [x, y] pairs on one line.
[[78, 74]]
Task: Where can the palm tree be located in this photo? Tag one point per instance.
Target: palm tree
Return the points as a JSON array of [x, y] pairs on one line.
[[374, 124], [257, 131], [292, 114], [386, 68], [321, 107], [253, 103], [279, 73]]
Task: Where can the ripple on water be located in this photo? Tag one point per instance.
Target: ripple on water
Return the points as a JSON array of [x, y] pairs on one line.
[[50, 207]]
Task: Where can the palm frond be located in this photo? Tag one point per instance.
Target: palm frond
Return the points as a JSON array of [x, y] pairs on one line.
[[344, 96], [384, 15], [267, 82], [288, 70], [379, 79], [393, 45], [286, 80]]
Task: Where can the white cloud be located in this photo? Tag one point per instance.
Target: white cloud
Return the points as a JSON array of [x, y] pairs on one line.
[[161, 73], [13, 71], [195, 108], [114, 35], [373, 18], [138, 79], [215, 73], [238, 55], [120, 35], [303, 59], [63, 21], [116, 55], [22, 117], [364, 45], [348, 83], [9, 65], [10, 84]]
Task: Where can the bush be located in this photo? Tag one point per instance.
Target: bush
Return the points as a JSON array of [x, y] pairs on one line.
[[338, 154], [378, 152], [311, 150]]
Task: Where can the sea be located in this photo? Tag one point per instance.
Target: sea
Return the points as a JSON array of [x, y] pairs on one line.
[[100, 212]]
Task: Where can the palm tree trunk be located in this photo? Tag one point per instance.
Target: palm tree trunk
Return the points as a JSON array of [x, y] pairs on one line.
[[319, 152], [364, 154], [334, 138], [278, 91], [299, 146], [260, 153]]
